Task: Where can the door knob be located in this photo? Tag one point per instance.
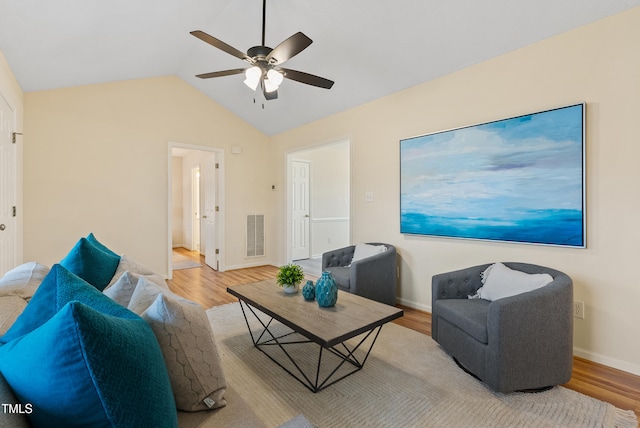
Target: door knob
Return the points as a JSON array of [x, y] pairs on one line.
[[2, 227]]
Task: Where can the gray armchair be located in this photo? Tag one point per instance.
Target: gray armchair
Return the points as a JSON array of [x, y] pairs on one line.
[[521, 342], [373, 277]]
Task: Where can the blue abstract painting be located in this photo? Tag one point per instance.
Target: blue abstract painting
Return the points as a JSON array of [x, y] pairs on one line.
[[516, 180]]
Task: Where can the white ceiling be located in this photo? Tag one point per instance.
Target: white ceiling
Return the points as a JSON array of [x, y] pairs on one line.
[[370, 48]]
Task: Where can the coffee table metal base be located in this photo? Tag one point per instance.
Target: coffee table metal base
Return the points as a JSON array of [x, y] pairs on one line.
[[314, 382]]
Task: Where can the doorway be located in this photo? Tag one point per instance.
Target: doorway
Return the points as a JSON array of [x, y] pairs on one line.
[[196, 201], [318, 202]]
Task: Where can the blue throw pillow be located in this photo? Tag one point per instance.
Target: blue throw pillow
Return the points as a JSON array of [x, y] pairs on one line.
[[84, 368], [94, 241], [57, 289], [90, 263]]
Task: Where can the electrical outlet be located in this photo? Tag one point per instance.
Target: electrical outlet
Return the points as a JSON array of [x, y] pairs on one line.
[[578, 309]]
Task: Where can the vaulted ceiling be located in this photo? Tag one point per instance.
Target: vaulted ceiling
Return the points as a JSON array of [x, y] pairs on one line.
[[370, 48]]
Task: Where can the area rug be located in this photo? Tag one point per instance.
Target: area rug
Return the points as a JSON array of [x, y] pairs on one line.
[[407, 381], [179, 261]]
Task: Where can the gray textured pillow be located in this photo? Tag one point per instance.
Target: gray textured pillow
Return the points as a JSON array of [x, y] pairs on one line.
[[189, 350], [187, 343]]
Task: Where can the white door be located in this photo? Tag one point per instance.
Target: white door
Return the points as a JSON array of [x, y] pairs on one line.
[[301, 248], [210, 210], [7, 189]]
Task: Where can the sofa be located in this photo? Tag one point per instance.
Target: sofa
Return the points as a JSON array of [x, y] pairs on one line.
[[368, 270], [508, 324], [99, 340]]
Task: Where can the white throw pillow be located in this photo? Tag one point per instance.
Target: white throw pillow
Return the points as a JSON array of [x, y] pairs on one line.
[[23, 280], [499, 281], [363, 251], [145, 294], [122, 290], [128, 264]]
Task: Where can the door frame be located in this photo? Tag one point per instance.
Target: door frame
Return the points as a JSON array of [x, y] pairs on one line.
[[289, 157], [195, 209], [221, 201], [15, 228]]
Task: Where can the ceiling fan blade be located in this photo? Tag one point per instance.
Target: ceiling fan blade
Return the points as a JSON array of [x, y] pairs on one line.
[[306, 78], [289, 48], [222, 45], [221, 73]]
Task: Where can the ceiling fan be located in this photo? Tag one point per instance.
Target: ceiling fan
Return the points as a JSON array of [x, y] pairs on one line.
[[265, 63]]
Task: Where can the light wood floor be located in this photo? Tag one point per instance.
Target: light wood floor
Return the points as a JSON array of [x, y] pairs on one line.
[[208, 288]]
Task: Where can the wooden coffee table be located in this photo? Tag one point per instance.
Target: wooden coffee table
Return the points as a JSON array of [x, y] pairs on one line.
[[330, 328]]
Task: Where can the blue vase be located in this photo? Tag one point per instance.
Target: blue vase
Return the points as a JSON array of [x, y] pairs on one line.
[[326, 290], [309, 291]]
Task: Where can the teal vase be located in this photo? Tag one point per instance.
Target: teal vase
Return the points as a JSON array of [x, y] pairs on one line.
[[309, 291], [326, 290]]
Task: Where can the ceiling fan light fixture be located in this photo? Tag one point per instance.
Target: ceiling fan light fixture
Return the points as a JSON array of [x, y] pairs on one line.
[[273, 80], [252, 75], [275, 77]]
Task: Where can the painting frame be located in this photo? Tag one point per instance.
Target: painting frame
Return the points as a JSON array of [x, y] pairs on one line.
[[517, 180]]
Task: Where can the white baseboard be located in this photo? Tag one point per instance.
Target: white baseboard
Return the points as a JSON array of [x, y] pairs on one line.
[[607, 361], [250, 265], [413, 305]]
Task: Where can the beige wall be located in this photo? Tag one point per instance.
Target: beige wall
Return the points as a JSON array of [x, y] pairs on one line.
[[12, 93], [598, 64], [96, 160]]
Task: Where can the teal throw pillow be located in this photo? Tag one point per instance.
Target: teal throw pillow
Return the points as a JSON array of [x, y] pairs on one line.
[[92, 264], [57, 289], [94, 241], [85, 368]]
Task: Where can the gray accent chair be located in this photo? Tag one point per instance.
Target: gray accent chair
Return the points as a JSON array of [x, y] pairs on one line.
[[517, 343], [373, 277]]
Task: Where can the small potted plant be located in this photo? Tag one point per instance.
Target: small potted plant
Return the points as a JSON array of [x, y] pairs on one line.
[[289, 276]]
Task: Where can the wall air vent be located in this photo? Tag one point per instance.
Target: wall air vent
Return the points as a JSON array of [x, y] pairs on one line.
[[255, 235]]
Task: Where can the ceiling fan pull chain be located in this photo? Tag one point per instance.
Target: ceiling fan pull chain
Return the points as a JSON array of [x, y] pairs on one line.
[[264, 19]]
